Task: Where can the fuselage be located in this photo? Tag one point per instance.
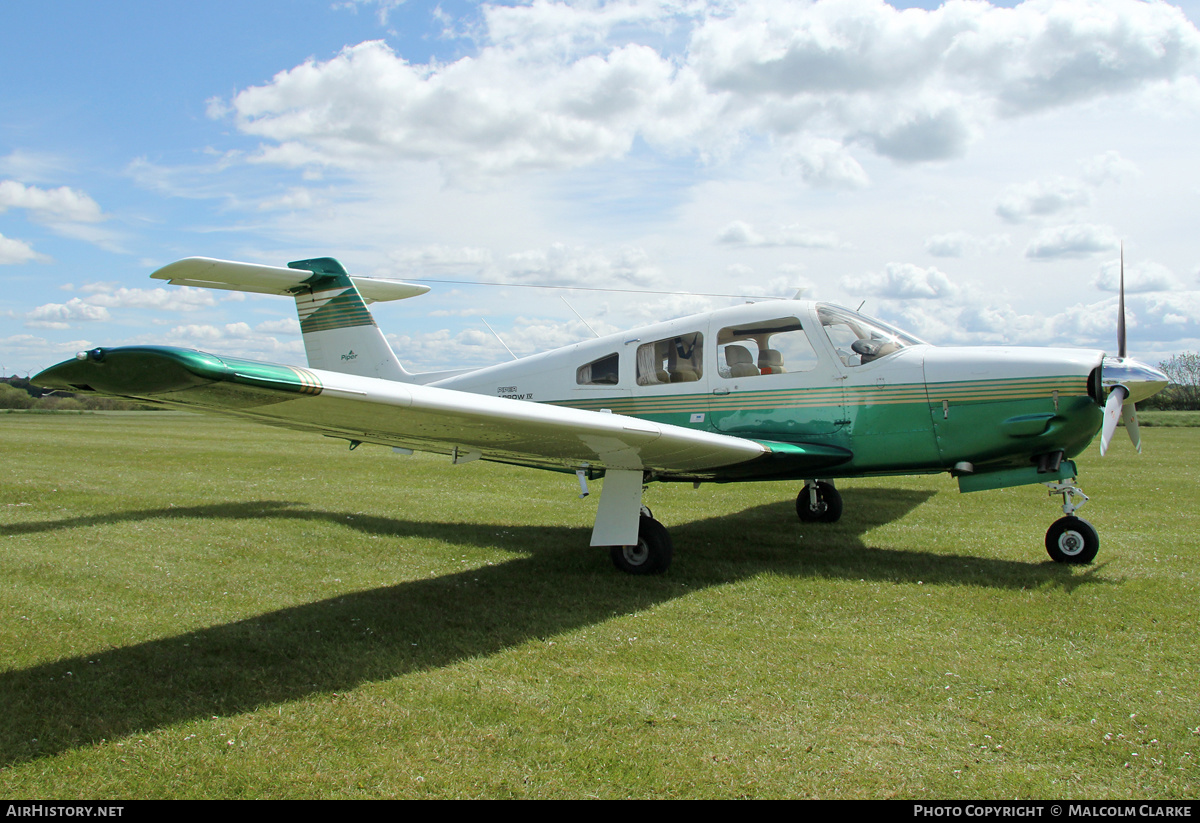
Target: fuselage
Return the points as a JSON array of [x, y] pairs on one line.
[[810, 373]]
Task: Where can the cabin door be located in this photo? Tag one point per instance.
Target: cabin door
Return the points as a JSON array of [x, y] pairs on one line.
[[774, 383]]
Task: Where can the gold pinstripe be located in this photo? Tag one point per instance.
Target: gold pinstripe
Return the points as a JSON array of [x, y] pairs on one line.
[[967, 391], [309, 382]]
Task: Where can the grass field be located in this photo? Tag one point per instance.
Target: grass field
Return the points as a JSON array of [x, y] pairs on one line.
[[196, 607]]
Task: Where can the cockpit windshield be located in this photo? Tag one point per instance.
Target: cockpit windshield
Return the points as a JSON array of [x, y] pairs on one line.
[[859, 339]]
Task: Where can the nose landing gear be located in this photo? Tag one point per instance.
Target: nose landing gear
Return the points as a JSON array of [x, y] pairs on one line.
[[1071, 539]]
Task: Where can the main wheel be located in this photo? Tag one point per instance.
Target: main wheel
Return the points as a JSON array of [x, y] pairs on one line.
[[651, 555], [828, 508], [1072, 540]]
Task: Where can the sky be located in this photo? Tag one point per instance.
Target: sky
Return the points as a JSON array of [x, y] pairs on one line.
[[968, 172]]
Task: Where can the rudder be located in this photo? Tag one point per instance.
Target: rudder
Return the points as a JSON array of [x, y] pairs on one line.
[[340, 334]]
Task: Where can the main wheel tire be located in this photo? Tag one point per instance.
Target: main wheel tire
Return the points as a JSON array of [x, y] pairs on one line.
[[828, 508], [651, 555], [1072, 540]]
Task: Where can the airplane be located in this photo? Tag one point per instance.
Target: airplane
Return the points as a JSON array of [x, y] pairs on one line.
[[769, 390]]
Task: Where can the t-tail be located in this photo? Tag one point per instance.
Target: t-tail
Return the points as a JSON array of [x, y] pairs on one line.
[[340, 335], [339, 332]]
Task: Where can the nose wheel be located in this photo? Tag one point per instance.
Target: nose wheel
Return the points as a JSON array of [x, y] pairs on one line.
[[1071, 539]]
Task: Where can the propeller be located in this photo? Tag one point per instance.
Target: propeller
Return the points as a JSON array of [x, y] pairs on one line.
[[1121, 308], [1114, 410], [1129, 380]]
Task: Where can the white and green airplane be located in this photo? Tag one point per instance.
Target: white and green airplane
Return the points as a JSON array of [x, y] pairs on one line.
[[773, 390]]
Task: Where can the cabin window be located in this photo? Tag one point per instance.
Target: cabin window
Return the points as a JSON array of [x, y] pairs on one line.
[[859, 339], [672, 360], [602, 372], [764, 347]]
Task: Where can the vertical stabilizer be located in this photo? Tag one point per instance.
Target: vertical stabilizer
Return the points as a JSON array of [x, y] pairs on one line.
[[339, 332]]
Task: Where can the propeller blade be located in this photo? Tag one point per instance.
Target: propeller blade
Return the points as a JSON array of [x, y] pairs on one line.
[[1112, 415], [1129, 415], [1121, 309]]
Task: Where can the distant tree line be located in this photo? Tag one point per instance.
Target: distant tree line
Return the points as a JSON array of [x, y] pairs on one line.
[[19, 393], [1183, 393]]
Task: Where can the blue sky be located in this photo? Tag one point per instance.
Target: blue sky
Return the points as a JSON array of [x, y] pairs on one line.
[[967, 170]]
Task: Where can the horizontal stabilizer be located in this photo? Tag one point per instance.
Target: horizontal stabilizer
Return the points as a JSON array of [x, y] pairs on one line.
[[208, 273]]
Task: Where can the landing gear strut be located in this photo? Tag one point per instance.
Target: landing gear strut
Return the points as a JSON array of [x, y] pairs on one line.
[[1071, 539], [818, 502]]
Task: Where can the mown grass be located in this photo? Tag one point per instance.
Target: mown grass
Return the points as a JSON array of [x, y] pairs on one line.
[[1169, 418], [196, 607]]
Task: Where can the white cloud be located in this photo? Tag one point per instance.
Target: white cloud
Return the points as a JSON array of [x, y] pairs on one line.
[[1073, 50], [1109, 167], [385, 7], [1042, 198], [236, 339], [497, 112], [740, 233], [284, 325], [1145, 276], [196, 181], [1077, 240], [37, 350], [915, 83], [1157, 321], [416, 261], [177, 298], [16, 251], [916, 136], [31, 165], [904, 281], [558, 85], [104, 296], [293, 199], [50, 205], [563, 265], [1056, 196], [62, 315], [687, 111], [825, 163], [443, 349], [963, 244]]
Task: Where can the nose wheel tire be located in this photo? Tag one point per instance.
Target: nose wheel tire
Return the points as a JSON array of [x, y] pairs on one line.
[[652, 553], [827, 509], [1072, 540]]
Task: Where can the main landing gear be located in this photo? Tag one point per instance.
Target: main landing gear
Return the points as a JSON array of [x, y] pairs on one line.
[[1071, 539], [818, 502], [652, 553]]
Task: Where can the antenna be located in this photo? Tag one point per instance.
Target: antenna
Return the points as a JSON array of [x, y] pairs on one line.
[[498, 337], [580, 316]]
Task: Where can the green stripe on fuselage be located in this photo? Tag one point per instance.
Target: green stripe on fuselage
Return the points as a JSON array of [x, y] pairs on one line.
[[892, 428]]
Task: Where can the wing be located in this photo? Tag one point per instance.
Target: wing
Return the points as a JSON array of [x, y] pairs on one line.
[[426, 418]]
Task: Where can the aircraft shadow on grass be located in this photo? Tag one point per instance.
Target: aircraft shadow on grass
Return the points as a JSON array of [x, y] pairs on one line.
[[336, 644]]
